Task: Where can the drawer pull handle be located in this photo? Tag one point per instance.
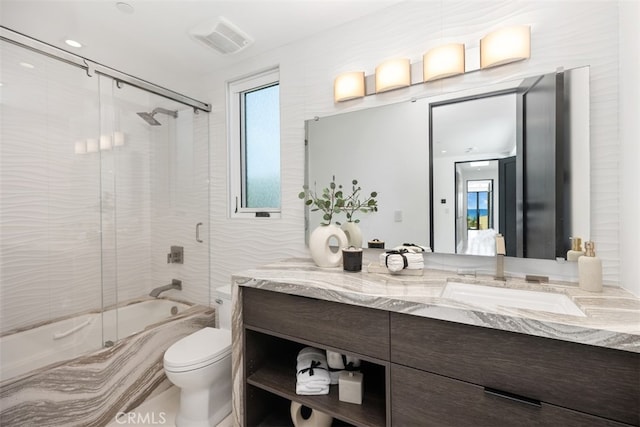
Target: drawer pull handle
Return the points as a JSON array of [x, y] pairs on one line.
[[511, 396]]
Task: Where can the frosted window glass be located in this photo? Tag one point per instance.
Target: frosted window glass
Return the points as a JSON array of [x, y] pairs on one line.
[[262, 148]]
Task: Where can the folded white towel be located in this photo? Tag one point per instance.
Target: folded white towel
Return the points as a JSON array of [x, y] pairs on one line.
[[312, 372], [399, 260], [311, 390]]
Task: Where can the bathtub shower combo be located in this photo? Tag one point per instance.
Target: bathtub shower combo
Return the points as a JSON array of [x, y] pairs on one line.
[[102, 175]]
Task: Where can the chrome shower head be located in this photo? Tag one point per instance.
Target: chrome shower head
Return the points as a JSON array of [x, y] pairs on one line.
[[148, 117]]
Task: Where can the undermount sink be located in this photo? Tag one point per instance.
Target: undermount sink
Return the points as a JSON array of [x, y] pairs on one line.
[[491, 297]]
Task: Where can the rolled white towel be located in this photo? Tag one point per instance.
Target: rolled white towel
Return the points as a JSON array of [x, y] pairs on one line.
[[412, 247], [336, 360], [311, 352], [339, 362], [399, 260], [312, 372]]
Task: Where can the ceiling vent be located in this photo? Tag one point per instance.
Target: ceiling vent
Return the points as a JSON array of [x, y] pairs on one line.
[[223, 36]]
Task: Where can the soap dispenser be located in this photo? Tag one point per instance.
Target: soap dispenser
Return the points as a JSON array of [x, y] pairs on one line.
[[576, 249], [590, 269]]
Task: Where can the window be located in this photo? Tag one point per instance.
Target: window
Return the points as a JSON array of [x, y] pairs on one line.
[[479, 204], [254, 146]]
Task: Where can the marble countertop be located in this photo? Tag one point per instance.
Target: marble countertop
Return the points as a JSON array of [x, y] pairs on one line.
[[612, 316]]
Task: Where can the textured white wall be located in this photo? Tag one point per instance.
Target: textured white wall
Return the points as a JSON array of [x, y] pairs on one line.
[[564, 34], [629, 231]]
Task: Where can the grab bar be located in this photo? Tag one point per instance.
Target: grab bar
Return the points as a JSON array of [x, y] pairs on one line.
[[58, 335]]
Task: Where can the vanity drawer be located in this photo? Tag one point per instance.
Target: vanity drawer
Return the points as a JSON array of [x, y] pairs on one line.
[[422, 399], [352, 328], [594, 380]]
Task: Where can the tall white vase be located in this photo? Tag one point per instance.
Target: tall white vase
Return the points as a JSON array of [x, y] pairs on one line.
[[354, 234], [319, 241]]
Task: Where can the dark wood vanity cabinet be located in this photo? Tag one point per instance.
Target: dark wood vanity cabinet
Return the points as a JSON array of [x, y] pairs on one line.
[[425, 372], [277, 326], [517, 378]]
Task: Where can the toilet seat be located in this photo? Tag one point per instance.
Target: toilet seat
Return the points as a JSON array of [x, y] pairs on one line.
[[202, 348]]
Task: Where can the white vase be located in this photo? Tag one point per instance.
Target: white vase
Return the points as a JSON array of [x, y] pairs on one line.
[[354, 234], [319, 241]]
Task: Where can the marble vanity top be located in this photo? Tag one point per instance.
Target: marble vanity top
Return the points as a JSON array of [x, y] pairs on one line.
[[612, 317]]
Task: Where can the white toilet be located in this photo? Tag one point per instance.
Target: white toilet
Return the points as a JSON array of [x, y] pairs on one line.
[[200, 365]]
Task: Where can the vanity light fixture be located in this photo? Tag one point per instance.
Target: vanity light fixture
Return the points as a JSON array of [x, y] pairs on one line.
[[105, 142], [348, 86], [393, 74], [118, 139], [80, 147], [443, 61], [505, 46], [499, 47], [92, 145]]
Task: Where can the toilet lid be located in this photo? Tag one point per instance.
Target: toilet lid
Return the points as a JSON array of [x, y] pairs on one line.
[[198, 349]]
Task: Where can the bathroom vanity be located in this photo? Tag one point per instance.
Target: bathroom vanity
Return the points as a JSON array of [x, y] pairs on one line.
[[429, 360]]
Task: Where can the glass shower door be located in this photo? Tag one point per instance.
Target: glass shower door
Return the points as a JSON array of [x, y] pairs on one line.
[[50, 240], [156, 175]]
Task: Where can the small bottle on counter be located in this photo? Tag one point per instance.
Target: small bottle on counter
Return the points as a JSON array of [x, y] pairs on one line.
[[576, 249], [590, 269]]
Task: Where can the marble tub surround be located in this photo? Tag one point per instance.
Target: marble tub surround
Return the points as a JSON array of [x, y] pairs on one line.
[[91, 389], [612, 317]]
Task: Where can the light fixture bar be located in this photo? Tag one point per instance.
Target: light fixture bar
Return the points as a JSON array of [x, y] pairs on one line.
[[349, 86], [496, 48], [443, 61], [393, 74], [504, 46]]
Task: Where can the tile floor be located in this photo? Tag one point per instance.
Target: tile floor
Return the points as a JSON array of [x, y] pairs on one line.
[[159, 411]]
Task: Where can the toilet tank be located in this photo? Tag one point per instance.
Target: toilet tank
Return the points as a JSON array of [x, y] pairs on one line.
[[223, 306]]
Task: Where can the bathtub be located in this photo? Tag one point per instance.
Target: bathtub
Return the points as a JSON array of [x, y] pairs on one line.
[[62, 374], [65, 339]]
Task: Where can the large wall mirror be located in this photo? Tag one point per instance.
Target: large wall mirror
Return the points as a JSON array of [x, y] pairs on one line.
[[452, 171]]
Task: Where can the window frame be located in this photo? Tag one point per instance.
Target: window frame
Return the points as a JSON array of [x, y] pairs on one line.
[[236, 144]]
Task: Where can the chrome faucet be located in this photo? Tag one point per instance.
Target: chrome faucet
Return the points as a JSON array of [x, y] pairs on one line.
[[175, 284], [500, 252]]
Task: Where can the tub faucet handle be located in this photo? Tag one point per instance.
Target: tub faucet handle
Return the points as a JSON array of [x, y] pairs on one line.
[[176, 255]]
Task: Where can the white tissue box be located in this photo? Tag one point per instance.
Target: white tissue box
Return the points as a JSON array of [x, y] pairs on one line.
[[350, 387]]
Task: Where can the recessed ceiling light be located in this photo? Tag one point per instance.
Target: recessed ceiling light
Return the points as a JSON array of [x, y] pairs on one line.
[[124, 7], [27, 65], [73, 43]]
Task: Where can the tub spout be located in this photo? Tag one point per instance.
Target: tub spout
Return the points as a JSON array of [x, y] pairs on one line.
[[175, 284]]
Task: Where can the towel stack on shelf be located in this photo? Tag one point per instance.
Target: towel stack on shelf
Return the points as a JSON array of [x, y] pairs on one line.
[[312, 372], [339, 362], [397, 260]]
